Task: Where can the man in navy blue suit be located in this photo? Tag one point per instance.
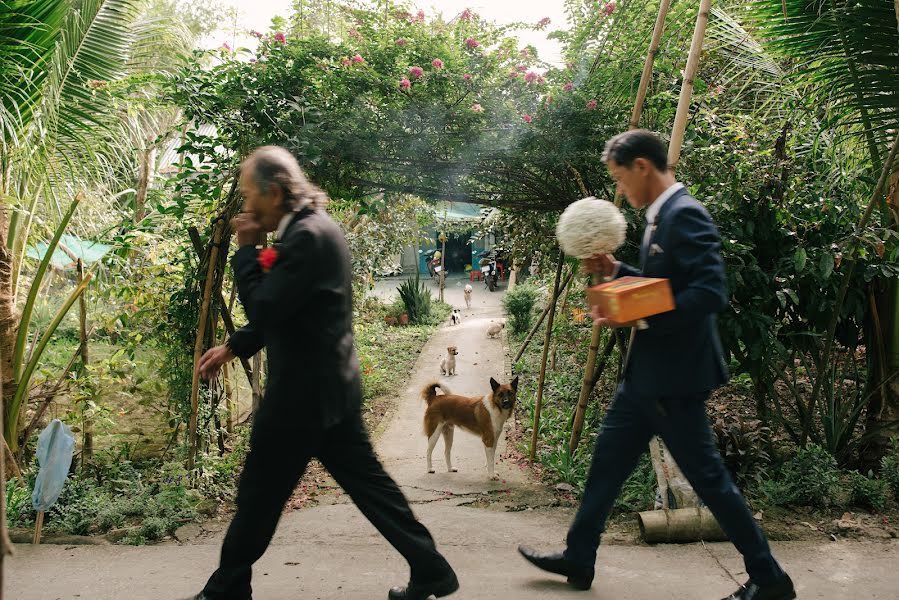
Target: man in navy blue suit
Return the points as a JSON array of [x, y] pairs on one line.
[[675, 362]]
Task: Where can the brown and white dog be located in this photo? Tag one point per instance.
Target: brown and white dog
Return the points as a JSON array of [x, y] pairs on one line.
[[483, 416], [448, 364]]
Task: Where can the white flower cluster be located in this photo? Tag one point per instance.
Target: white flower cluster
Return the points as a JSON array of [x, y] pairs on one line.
[[589, 227]]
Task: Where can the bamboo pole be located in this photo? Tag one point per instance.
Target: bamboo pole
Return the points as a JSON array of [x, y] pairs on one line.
[[554, 353], [226, 313], [87, 422], [647, 65], [547, 338], [581, 409], [534, 329], [198, 345], [674, 150], [38, 526], [587, 385], [686, 91]]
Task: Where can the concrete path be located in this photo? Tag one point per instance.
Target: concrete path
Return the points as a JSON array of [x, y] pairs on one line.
[[332, 552]]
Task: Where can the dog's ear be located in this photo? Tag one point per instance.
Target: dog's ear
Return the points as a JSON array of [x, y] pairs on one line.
[[494, 384], [514, 383]]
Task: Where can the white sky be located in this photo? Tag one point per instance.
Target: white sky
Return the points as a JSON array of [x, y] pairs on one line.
[[257, 14]]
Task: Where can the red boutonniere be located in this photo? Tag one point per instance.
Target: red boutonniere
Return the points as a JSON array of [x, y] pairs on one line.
[[267, 258]]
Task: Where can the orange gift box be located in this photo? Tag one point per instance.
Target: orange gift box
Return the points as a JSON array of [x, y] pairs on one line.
[[630, 298]]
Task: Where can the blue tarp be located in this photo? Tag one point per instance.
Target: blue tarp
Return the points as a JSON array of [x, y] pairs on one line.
[[55, 446], [87, 251]]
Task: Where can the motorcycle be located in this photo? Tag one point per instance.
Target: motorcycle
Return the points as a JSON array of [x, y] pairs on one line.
[[489, 270]]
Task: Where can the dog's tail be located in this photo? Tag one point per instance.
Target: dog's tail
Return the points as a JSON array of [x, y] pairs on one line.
[[429, 393]]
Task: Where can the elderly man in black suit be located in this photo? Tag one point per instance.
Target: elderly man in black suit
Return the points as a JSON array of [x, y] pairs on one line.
[[298, 300]]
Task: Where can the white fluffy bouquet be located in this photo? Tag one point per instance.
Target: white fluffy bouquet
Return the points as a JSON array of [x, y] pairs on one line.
[[589, 227]]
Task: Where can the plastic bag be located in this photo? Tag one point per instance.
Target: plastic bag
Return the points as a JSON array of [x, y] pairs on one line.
[[55, 447]]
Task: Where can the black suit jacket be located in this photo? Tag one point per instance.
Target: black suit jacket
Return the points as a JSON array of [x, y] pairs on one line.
[[680, 352], [301, 311]]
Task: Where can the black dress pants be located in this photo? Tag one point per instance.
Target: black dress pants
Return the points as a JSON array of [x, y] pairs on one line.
[[274, 465]]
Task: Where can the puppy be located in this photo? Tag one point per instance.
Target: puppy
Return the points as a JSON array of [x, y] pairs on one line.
[[483, 416], [494, 329], [456, 317], [448, 364], [467, 291]]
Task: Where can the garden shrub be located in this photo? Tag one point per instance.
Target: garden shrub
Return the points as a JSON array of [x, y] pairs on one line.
[[519, 304], [868, 492], [417, 299], [889, 468]]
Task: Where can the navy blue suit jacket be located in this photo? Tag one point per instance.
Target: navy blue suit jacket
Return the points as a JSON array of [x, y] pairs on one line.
[[680, 353]]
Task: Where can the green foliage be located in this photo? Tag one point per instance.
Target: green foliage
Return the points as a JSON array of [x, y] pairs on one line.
[[417, 299], [808, 478], [868, 492], [889, 468], [519, 304], [742, 445]]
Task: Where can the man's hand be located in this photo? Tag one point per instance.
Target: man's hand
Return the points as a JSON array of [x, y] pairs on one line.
[[602, 321], [213, 359], [247, 228], [601, 264]]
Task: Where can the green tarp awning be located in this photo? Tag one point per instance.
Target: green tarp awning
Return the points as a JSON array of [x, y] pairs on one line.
[[70, 249]]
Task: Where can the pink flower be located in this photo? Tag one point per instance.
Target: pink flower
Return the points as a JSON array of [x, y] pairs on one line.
[[280, 38], [525, 52], [531, 77], [521, 68], [401, 42], [477, 108], [568, 86], [544, 22], [569, 66], [255, 34], [467, 77], [527, 118], [416, 72], [419, 17], [252, 61], [358, 59], [591, 105], [513, 74], [472, 43], [346, 62], [226, 47], [466, 15], [609, 8], [405, 84], [437, 63]]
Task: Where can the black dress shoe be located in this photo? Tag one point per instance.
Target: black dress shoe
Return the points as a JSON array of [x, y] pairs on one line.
[[422, 590], [202, 596], [579, 577], [781, 590]]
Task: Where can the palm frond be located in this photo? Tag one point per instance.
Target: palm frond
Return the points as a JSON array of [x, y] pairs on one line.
[[847, 54]]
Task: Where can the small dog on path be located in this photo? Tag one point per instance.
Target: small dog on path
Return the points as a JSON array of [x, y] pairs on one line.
[[483, 416], [448, 364], [494, 329], [467, 291], [456, 317]]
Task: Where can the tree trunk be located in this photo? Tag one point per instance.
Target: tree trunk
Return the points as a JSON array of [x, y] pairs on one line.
[[8, 320], [87, 447]]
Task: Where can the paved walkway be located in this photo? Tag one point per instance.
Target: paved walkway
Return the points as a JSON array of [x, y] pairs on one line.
[[331, 552]]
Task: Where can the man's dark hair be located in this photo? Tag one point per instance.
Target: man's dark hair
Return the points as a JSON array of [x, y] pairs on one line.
[[626, 147]]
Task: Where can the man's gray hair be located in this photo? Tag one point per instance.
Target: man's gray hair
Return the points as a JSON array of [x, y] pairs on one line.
[[274, 165]]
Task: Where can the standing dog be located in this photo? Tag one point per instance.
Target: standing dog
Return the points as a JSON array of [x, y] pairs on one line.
[[483, 416], [467, 291], [448, 364], [456, 317]]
